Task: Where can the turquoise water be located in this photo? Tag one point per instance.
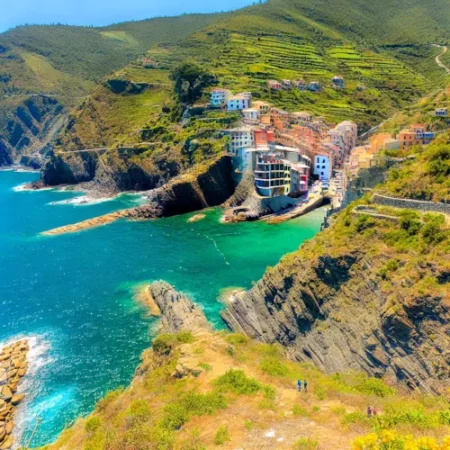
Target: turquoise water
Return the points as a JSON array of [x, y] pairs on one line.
[[73, 294]]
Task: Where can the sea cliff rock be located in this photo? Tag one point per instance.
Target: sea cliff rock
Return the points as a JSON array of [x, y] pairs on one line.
[[334, 313], [13, 366], [28, 128], [208, 186], [178, 312]]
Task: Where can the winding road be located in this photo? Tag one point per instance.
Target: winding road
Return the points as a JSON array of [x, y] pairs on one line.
[[438, 57]]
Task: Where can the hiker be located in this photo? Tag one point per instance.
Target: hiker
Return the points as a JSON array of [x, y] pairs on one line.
[[374, 412], [299, 385], [369, 412], [305, 385]]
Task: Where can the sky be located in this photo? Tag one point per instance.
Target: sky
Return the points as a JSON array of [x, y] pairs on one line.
[[102, 12]]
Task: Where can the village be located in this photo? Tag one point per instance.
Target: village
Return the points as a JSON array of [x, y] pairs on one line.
[[302, 156], [289, 153]]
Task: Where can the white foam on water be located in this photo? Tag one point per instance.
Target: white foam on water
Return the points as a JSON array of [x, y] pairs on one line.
[[82, 200], [38, 356], [24, 188]]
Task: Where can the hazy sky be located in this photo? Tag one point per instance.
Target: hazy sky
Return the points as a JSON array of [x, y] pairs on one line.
[[102, 12]]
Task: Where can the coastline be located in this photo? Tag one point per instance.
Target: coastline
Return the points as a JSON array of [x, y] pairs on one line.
[[13, 367]]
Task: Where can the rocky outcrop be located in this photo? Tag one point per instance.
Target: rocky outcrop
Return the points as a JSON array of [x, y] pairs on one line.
[[29, 128], [208, 186], [13, 366], [178, 312], [334, 313], [70, 167]]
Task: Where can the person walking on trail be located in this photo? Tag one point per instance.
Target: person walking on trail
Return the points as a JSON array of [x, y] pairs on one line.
[[374, 412], [305, 385], [369, 412], [299, 385]]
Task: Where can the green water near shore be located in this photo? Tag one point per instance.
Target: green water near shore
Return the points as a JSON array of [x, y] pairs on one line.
[[74, 293]]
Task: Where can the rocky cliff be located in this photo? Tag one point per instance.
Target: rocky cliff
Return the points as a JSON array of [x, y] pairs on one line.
[[207, 185], [28, 129], [178, 312], [358, 297]]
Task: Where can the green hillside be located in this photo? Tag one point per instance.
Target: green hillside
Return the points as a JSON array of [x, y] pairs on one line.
[[67, 61]]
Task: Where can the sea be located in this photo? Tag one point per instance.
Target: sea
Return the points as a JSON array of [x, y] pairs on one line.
[[74, 295]]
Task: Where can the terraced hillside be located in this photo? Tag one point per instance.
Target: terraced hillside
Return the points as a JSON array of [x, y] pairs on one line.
[[377, 84]]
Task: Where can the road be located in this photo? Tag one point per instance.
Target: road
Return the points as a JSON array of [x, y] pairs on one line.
[[438, 57]]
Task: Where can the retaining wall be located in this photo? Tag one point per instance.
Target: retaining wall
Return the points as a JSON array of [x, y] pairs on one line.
[[419, 205]]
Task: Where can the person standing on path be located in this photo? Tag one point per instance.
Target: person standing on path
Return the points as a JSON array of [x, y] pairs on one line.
[[369, 412], [299, 385], [305, 385]]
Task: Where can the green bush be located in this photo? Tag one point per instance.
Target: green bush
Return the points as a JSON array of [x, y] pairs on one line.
[[236, 381], [138, 412], [92, 424], [236, 338], [274, 367], [298, 410], [306, 444], [164, 343], [375, 386], [222, 435]]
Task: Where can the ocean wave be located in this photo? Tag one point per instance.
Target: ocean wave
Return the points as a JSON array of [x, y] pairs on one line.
[[38, 356], [82, 200], [25, 188]]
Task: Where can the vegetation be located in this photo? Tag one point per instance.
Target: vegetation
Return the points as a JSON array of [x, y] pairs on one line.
[[221, 406], [426, 176]]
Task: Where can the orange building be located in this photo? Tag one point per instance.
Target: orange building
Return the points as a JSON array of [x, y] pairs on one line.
[[263, 137]]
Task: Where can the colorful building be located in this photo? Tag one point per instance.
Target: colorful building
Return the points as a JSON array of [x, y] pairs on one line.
[[239, 102], [219, 97]]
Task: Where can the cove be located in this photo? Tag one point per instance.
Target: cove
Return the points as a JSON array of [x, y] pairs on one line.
[[74, 294]]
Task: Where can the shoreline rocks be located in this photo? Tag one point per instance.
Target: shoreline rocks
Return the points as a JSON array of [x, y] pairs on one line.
[[13, 367]]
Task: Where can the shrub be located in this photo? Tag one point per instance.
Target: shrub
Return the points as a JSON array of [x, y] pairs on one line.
[[375, 386], [222, 435], [108, 398], [92, 424], [306, 444], [236, 381], [164, 343], [298, 410], [138, 412], [274, 367], [206, 366], [236, 338], [192, 404], [410, 222]]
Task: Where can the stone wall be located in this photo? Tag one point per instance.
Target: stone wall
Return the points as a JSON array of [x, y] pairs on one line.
[[419, 205]]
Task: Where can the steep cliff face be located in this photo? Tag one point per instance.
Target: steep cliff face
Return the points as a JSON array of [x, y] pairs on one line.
[[30, 127], [361, 304], [205, 186], [70, 168]]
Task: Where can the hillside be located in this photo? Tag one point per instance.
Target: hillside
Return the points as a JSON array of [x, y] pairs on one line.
[[275, 41], [371, 292], [198, 389], [61, 64]]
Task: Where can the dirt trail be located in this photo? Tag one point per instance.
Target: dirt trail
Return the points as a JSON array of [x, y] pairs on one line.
[[438, 57]]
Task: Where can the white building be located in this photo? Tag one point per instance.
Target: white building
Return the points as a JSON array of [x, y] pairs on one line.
[[239, 102], [251, 115], [240, 139], [441, 112], [322, 168], [220, 96]]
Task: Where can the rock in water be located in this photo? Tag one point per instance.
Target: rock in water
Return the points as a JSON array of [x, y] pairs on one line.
[[178, 312], [13, 367]]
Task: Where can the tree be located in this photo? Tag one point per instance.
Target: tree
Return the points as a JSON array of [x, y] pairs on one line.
[[190, 81]]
